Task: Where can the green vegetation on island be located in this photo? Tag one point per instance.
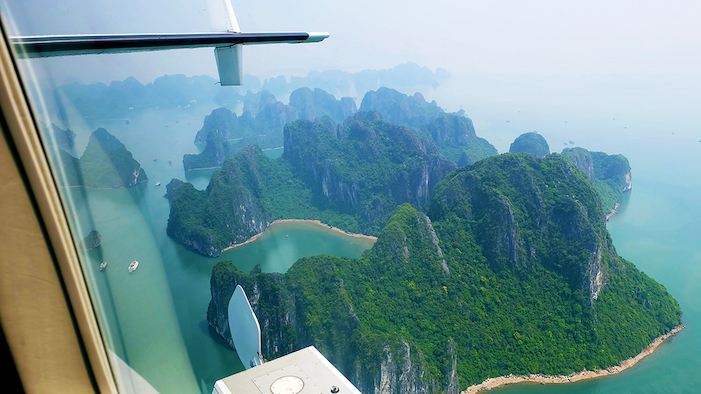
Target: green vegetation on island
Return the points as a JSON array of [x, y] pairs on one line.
[[262, 123], [225, 134], [511, 270], [396, 107], [456, 139], [352, 178], [610, 174], [366, 168], [532, 142], [106, 163], [453, 134], [317, 104], [248, 193]]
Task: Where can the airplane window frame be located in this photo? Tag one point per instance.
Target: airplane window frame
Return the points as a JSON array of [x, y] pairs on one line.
[[21, 128]]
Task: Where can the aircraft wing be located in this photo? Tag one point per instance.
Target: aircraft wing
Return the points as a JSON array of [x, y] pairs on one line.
[[85, 44], [227, 46], [227, 42]]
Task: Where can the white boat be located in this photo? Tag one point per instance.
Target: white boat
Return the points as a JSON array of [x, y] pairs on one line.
[[133, 266], [158, 183], [103, 265]]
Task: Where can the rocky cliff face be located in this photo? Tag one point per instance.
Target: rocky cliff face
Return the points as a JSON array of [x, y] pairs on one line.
[[254, 102], [308, 147], [396, 107], [316, 104], [220, 121], [610, 174], [274, 116], [628, 184], [367, 166], [453, 134], [452, 129], [581, 158], [214, 154], [403, 371], [263, 291]]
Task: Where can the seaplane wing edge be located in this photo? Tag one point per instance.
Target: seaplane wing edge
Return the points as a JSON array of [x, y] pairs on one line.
[[227, 46], [85, 44]]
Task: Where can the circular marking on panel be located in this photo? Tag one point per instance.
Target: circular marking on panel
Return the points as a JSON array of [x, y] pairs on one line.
[[287, 385]]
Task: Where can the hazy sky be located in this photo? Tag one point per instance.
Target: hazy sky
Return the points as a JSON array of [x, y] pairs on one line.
[[466, 37]]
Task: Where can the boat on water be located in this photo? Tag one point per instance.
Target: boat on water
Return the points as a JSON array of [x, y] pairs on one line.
[[133, 266], [103, 265], [158, 183]]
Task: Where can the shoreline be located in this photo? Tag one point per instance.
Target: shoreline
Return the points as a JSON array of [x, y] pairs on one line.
[[500, 381], [316, 222], [613, 211]]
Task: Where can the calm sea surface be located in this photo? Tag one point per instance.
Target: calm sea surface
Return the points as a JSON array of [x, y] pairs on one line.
[[155, 317]]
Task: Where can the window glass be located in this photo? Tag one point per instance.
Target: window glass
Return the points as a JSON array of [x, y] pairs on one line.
[[124, 131]]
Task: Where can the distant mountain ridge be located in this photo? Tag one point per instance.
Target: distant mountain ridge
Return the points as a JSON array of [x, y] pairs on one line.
[[121, 98], [453, 133], [265, 128]]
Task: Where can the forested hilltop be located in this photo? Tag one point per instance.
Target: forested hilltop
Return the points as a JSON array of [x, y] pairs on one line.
[[352, 175], [510, 270], [105, 163], [609, 174], [532, 142], [453, 133]]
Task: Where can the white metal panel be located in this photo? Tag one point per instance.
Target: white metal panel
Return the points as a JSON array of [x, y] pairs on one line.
[[308, 365], [229, 65], [245, 330]]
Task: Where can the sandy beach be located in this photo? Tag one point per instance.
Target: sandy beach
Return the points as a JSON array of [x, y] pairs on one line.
[[493, 383], [613, 211], [316, 222]]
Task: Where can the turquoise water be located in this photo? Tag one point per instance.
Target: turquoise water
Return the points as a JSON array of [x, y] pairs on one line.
[[155, 316]]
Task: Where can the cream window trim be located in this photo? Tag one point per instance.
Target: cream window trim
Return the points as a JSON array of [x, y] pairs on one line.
[[22, 129]]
